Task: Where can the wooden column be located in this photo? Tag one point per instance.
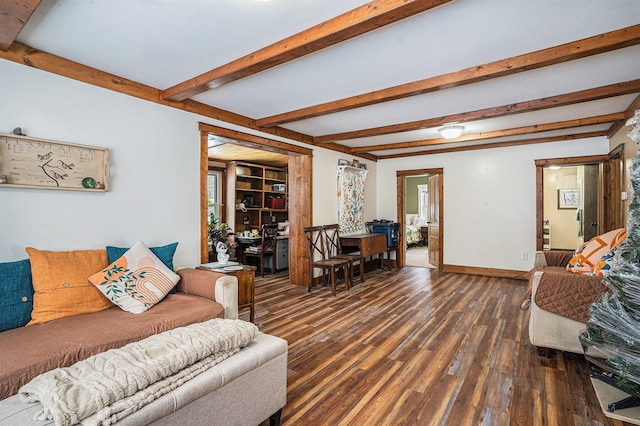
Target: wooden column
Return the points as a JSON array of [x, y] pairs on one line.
[[204, 198], [300, 206]]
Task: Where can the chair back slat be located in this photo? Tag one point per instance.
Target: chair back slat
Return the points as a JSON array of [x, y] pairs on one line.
[[315, 242], [269, 233], [332, 237]]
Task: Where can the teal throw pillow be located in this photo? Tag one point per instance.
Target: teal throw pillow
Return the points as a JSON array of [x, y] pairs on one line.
[[164, 253], [17, 290]]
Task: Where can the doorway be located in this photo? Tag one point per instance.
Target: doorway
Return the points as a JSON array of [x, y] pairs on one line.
[[578, 198], [417, 213], [299, 178], [420, 212], [571, 208]]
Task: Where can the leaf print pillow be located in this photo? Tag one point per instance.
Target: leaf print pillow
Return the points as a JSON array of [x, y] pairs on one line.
[[136, 281]]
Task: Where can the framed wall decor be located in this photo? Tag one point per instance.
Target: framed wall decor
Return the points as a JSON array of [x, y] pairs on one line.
[[568, 198], [355, 163], [28, 162], [342, 162]]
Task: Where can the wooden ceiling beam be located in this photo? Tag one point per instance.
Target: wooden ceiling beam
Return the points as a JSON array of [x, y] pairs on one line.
[[627, 115], [603, 92], [358, 21], [26, 55], [563, 53], [546, 127], [13, 17], [498, 144]]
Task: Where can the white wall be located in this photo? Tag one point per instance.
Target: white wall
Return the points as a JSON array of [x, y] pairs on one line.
[[489, 199], [154, 185], [325, 187]]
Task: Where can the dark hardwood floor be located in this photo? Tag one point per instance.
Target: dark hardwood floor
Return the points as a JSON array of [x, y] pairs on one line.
[[417, 347]]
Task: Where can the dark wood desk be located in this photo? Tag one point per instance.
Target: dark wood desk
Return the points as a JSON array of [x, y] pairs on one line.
[[367, 244]]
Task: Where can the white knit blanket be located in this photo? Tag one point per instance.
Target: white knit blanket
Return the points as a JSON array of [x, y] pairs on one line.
[[109, 386]]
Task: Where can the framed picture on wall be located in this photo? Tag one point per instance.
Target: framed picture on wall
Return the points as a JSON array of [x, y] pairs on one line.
[[342, 162], [568, 198]]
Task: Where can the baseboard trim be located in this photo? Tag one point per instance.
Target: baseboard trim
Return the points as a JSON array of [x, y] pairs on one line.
[[491, 272]]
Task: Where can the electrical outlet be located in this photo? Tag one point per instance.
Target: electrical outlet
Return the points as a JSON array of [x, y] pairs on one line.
[[525, 256]]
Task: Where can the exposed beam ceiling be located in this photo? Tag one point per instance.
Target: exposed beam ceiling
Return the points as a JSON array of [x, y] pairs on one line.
[[356, 22], [567, 52], [537, 128], [13, 17], [603, 92], [355, 77], [575, 136], [54, 64]]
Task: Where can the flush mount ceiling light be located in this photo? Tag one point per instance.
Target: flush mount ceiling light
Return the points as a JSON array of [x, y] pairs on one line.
[[451, 132]]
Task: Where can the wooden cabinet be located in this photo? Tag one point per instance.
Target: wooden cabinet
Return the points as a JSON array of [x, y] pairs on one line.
[[256, 195]]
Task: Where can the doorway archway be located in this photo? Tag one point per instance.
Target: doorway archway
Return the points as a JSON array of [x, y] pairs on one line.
[[300, 202]]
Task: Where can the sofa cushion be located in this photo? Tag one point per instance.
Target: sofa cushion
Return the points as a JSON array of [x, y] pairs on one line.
[[136, 281], [587, 256], [17, 294], [61, 283], [28, 351], [164, 253]]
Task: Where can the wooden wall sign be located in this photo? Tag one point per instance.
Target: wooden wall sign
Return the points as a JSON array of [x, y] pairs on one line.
[[39, 163]]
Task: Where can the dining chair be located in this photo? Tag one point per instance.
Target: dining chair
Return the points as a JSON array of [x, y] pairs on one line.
[[334, 249], [266, 249], [318, 258]]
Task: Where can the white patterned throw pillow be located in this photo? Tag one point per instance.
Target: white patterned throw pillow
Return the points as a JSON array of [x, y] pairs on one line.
[[136, 281]]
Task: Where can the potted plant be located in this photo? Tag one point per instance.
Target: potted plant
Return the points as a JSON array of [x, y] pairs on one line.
[[218, 234]]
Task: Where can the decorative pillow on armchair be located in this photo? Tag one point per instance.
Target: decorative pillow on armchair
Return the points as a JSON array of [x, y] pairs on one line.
[[598, 248], [604, 265], [136, 281]]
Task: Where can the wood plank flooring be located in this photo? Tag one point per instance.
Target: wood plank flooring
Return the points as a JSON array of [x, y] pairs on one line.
[[417, 347]]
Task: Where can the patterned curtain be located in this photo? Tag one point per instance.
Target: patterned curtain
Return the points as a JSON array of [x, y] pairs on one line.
[[351, 199]]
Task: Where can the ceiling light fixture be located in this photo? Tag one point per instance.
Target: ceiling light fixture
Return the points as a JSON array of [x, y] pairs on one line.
[[451, 132]]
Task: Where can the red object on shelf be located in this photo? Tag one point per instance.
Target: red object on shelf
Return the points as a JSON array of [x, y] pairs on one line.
[[275, 203]]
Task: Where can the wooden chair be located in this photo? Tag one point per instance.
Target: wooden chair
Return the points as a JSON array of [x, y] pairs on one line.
[[318, 258], [266, 249], [334, 249]]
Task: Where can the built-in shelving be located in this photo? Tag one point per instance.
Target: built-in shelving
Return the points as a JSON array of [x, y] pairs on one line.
[[250, 187]]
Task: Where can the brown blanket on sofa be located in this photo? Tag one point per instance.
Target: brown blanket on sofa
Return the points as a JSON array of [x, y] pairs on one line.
[[28, 351], [567, 294]]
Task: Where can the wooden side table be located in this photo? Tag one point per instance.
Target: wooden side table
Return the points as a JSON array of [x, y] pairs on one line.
[[246, 287]]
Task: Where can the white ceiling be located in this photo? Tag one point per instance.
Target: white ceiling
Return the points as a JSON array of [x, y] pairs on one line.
[[161, 43]]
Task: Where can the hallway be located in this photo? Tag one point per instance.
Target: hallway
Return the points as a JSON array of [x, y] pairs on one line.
[[418, 257]]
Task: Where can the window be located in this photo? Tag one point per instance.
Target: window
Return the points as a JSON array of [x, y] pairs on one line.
[[214, 190], [423, 202]]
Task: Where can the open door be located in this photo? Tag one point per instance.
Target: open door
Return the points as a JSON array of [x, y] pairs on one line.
[[434, 220]]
